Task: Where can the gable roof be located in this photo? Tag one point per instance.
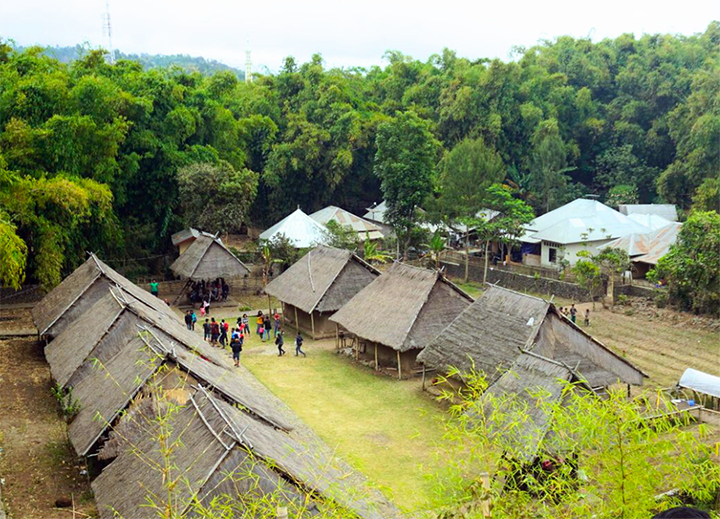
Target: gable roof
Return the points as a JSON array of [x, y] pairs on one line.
[[208, 258], [500, 325], [667, 211], [299, 228], [376, 213], [82, 289], [387, 309], [582, 220], [184, 235], [652, 221], [364, 228], [309, 279], [648, 247]]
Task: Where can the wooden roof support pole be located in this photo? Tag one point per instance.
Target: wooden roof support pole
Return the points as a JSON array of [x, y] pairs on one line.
[[423, 378], [283, 312], [312, 323], [182, 291], [337, 336], [399, 365], [297, 323], [377, 366]]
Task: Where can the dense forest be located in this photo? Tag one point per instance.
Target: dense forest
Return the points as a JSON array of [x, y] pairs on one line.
[[92, 156]]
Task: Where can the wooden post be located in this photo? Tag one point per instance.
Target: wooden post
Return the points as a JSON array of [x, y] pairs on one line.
[[283, 313], [399, 365], [312, 324], [628, 390], [423, 378], [337, 336], [377, 366], [297, 323]]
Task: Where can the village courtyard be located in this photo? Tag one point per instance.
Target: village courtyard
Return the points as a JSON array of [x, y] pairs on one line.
[[392, 431]]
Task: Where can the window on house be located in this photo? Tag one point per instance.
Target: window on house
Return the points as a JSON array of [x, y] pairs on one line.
[[552, 255]]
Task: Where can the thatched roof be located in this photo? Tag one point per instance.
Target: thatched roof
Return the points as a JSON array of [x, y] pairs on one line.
[[82, 289], [110, 366], [324, 280], [528, 389], [404, 308], [208, 258], [490, 334]]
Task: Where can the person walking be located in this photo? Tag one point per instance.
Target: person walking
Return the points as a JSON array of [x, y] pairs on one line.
[[266, 326], [206, 329], [276, 324], [279, 342], [236, 344], [573, 312], [246, 324], [587, 317], [206, 307], [188, 320], [214, 331], [223, 332], [154, 288], [298, 345], [260, 320], [193, 319]]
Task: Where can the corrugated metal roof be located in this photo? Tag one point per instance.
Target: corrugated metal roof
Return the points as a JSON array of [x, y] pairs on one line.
[[651, 221], [376, 213], [363, 227], [299, 228], [583, 220], [667, 211], [648, 247]]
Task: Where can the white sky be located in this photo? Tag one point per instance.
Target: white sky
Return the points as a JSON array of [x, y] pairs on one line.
[[346, 33]]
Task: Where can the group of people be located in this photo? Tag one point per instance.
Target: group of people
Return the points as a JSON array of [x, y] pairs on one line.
[[571, 313], [217, 332], [205, 292]]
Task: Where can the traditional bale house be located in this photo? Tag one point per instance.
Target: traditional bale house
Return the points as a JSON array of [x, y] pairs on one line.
[[365, 229], [81, 290], [400, 313], [208, 258], [299, 228], [132, 369], [502, 324], [318, 285]]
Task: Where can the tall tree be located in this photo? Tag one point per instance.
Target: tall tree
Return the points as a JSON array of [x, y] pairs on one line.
[[549, 165], [406, 161]]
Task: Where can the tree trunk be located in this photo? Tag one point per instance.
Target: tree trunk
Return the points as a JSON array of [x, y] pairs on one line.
[[611, 290], [487, 248], [467, 256], [407, 243]]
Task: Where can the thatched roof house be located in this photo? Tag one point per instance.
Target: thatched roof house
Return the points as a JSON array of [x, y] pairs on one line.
[[492, 332], [399, 314], [527, 393], [319, 284], [128, 364], [81, 290], [208, 258]]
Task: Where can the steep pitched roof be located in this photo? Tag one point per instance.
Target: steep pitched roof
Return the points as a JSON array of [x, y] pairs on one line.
[[364, 228], [388, 309], [208, 258], [308, 281], [582, 220], [184, 235], [500, 325], [299, 228], [82, 289]]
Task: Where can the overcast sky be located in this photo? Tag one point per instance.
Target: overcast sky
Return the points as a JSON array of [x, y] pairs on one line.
[[346, 33]]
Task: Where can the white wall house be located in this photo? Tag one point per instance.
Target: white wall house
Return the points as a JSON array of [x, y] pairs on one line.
[[580, 225]]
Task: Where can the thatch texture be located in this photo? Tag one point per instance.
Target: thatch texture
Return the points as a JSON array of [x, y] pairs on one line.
[[387, 310], [208, 258], [80, 291], [324, 279], [528, 389], [488, 335], [500, 325]]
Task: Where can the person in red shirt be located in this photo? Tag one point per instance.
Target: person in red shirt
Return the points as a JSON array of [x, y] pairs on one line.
[[214, 332]]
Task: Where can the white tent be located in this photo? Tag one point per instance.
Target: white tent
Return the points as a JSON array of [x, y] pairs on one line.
[[700, 382], [300, 229]]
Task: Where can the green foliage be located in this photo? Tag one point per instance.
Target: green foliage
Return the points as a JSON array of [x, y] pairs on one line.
[[215, 197], [621, 194], [692, 267], [373, 254], [69, 405], [13, 254], [342, 236], [707, 196]]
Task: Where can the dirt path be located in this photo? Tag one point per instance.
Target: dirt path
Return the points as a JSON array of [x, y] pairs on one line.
[[37, 463]]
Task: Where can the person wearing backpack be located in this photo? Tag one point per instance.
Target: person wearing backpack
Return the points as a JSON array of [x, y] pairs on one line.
[[298, 345], [279, 342]]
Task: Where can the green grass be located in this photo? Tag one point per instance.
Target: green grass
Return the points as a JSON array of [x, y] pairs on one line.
[[387, 429]]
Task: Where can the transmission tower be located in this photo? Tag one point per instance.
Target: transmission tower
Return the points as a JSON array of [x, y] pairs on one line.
[[248, 64], [107, 32]]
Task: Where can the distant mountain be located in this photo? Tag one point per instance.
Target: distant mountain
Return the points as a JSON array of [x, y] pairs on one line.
[[148, 61]]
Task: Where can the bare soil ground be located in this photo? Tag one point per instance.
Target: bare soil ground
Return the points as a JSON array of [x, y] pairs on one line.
[[37, 462]]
